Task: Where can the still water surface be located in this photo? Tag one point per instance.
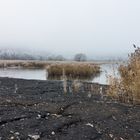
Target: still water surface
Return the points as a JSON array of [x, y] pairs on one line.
[[37, 74], [41, 74], [107, 70]]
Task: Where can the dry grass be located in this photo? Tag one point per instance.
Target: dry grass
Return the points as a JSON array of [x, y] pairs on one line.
[[76, 86], [23, 64], [41, 64], [74, 70], [127, 87], [64, 78]]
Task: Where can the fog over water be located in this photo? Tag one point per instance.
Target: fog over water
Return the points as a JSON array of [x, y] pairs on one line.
[[94, 27]]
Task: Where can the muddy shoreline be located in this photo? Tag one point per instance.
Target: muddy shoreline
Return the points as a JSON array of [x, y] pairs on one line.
[[40, 110]]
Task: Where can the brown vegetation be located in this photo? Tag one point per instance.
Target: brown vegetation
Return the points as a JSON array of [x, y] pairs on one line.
[[73, 70], [127, 87], [23, 64]]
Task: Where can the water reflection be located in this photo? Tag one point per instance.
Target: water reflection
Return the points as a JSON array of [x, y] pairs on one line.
[[38, 74], [41, 74], [107, 70], [83, 78]]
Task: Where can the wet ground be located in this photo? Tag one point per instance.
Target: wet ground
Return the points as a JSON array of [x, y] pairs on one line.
[[40, 110]]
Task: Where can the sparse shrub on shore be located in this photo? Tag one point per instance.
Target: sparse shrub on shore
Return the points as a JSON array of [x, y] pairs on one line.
[[127, 87]]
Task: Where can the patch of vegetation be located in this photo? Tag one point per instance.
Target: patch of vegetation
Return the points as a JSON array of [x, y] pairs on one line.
[[23, 64], [127, 87], [73, 70]]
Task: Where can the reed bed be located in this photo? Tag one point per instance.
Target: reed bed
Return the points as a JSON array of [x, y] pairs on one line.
[[38, 63], [76, 70], [23, 64], [127, 87]]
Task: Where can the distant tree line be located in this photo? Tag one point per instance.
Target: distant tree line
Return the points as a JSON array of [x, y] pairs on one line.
[[56, 58], [11, 55], [80, 57], [6, 55]]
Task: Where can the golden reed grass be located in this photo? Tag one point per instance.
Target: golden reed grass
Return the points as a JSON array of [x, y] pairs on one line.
[[23, 64], [127, 87], [73, 70]]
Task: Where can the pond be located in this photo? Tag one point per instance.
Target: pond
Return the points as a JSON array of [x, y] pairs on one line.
[[41, 74], [107, 70], [37, 74]]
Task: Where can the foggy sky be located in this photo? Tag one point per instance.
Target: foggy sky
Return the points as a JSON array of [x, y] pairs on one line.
[[94, 27]]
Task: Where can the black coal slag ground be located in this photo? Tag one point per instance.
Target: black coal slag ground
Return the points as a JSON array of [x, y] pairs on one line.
[[39, 110]]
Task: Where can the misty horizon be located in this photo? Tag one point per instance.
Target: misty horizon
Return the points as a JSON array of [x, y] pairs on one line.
[[99, 29], [45, 55]]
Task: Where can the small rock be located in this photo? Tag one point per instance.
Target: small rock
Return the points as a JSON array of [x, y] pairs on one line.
[[46, 118], [38, 116], [12, 132], [89, 95], [114, 118], [61, 108], [53, 133], [56, 115], [17, 133], [9, 101], [48, 114], [35, 137], [12, 138], [89, 124], [111, 135]]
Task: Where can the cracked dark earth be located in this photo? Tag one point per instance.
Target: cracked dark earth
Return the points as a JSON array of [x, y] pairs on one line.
[[39, 110]]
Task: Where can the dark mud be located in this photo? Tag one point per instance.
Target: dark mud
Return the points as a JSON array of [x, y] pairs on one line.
[[40, 110]]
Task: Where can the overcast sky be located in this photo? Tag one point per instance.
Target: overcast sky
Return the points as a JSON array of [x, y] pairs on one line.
[[94, 27]]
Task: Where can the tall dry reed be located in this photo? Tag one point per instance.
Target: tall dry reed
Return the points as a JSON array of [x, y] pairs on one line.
[[127, 87], [73, 70]]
